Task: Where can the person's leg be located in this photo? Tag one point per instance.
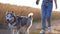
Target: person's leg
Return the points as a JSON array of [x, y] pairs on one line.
[[49, 21], [48, 17], [43, 25], [49, 24], [43, 14]]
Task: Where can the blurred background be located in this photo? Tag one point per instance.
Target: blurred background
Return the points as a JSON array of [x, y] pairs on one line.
[[23, 8]]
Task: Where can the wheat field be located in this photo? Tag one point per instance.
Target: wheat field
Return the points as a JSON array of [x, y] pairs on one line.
[[23, 11]]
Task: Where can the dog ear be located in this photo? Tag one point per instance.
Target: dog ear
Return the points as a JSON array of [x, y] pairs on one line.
[[7, 12], [12, 11]]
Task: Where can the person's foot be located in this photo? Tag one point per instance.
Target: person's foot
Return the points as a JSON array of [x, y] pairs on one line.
[[42, 32], [49, 29]]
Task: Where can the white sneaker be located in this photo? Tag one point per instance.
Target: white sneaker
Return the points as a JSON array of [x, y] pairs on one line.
[[49, 29], [42, 31]]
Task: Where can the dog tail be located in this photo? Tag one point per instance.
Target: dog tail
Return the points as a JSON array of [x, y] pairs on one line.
[[30, 15]]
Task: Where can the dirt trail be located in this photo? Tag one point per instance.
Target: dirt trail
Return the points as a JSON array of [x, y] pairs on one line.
[[36, 27], [54, 29]]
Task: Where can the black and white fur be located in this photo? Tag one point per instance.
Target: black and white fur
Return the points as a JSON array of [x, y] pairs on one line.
[[18, 24]]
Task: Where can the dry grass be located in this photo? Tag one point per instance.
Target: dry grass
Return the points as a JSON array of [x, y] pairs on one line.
[[36, 31], [22, 10]]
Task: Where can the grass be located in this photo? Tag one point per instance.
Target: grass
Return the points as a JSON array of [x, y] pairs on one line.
[[23, 11]]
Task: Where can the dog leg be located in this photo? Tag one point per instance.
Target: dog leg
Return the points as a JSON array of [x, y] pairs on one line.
[[16, 31], [29, 27], [12, 31]]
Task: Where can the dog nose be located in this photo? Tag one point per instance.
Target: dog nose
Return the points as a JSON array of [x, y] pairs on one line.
[[7, 19]]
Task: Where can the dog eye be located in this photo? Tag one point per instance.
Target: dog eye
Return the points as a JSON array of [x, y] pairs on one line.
[[7, 16], [10, 17]]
